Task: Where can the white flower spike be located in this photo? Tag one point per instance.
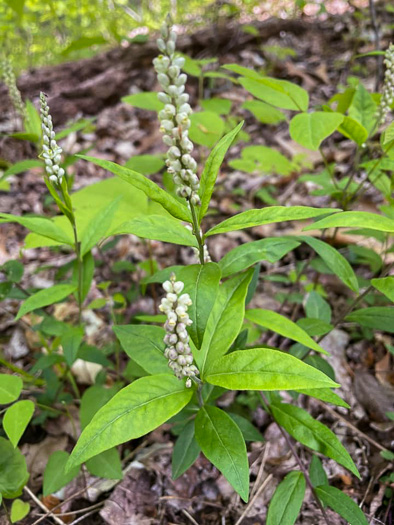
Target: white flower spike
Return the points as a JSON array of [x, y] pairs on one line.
[[51, 152], [388, 86]]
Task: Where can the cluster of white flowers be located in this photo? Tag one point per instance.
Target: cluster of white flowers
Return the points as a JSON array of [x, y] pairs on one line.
[[178, 351], [51, 151], [10, 81], [174, 118], [388, 86]]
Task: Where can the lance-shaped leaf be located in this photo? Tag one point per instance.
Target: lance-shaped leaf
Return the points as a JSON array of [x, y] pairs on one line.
[[16, 419], [222, 443], [324, 394], [279, 93], [310, 129], [225, 320], [202, 284], [250, 218], [355, 219], [42, 226], [186, 451], [375, 317], [265, 369], [131, 413], [144, 344], [287, 500], [313, 434], [152, 190], [385, 285], [212, 166], [280, 324], [341, 503], [45, 297], [158, 228], [98, 227]]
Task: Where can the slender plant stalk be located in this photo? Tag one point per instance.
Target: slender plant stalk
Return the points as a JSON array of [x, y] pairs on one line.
[[196, 232]]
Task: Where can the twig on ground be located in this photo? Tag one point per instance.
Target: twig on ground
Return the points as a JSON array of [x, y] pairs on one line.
[[38, 502]]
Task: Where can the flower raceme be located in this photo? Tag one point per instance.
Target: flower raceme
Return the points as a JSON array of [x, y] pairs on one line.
[[174, 118], [10, 82], [51, 151], [388, 86], [178, 351]]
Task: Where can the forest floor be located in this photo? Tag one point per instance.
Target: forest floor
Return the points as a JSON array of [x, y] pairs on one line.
[[322, 59]]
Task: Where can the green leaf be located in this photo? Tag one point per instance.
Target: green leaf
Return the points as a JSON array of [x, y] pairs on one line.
[[363, 108], [243, 71], [334, 260], [317, 473], [279, 93], [263, 112], [186, 451], [14, 270], [13, 471], [158, 228], [269, 249], [41, 225], [147, 100], [221, 106], [270, 215], [211, 168], [202, 284], [146, 164], [106, 465], [55, 475], [16, 419], [22, 166], [310, 129], [313, 434], [84, 42], [385, 285], [17, 6], [87, 275], [98, 227], [342, 504], [287, 500], [375, 317], [144, 344], [152, 190], [265, 369], [19, 510], [317, 308], [283, 326], [354, 219], [45, 297], [92, 400], [222, 443], [206, 128], [10, 388], [131, 413], [249, 431], [71, 341], [324, 394], [353, 130], [225, 320]]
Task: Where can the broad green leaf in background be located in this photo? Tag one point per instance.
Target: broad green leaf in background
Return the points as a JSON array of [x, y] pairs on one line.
[[310, 129], [206, 128], [265, 369], [283, 326], [269, 249], [84, 42], [134, 411], [98, 227], [186, 451], [353, 130], [71, 341], [152, 190], [355, 219], [144, 344], [14, 270], [341, 503], [13, 471], [146, 164], [317, 308], [242, 70], [225, 320], [10, 388], [17, 6], [92, 400], [16, 419], [146, 100], [263, 112], [202, 284], [19, 510], [375, 317], [385, 285], [311, 433], [41, 225], [317, 473], [334, 260], [55, 475], [22, 166], [269, 215], [222, 443], [211, 168], [324, 394], [262, 159], [287, 500], [249, 431], [45, 297], [221, 106], [158, 228], [106, 465], [279, 93], [363, 108]]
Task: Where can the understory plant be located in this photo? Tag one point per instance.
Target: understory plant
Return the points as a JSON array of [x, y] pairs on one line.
[[209, 340]]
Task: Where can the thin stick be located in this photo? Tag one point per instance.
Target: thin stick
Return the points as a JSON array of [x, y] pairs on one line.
[[78, 520], [252, 501], [48, 512], [261, 469], [81, 511], [190, 517]]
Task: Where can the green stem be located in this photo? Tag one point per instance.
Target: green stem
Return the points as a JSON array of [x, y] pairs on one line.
[[26, 376], [197, 234], [79, 269]]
